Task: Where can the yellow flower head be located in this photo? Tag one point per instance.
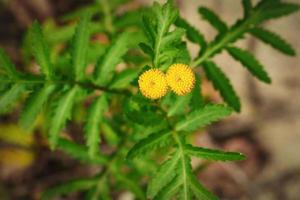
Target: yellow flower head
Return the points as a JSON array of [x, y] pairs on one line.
[[180, 78], [153, 84]]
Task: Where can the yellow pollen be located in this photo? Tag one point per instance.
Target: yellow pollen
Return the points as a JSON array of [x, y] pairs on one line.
[[180, 78], [153, 84]]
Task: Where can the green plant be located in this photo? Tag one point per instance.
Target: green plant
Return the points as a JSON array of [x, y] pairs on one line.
[[64, 83]]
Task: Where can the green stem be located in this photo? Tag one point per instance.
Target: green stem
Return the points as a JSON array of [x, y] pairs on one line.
[[228, 38], [183, 163], [60, 82]]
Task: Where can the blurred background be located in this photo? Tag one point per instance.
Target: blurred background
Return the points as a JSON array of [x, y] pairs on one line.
[[267, 130]]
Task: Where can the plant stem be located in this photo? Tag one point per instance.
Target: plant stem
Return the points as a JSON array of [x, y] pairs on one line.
[[60, 82], [228, 38]]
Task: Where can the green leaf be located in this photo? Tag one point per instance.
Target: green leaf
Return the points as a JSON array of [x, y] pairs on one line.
[[123, 79], [172, 37], [92, 128], [152, 142], [170, 190], [197, 100], [79, 152], [110, 135], [213, 19], [200, 191], [179, 105], [211, 154], [61, 113], [274, 40], [7, 65], [272, 10], [41, 50], [192, 33], [10, 97], [165, 16], [250, 62], [222, 83], [163, 176], [34, 105], [69, 187], [80, 44], [247, 5], [203, 117], [107, 63], [130, 185]]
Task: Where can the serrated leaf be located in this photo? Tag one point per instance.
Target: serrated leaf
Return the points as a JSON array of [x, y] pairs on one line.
[[179, 105], [222, 83], [80, 44], [92, 128], [203, 117], [274, 40], [61, 114], [123, 79], [200, 191], [79, 152], [107, 63], [163, 176], [192, 33], [212, 154], [7, 65], [165, 16], [272, 10], [34, 105], [152, 142], [213, 19], [69, 187], [147, 49], [41, 50], [169, 190], [172, 37], [250, 62], [10, 97]]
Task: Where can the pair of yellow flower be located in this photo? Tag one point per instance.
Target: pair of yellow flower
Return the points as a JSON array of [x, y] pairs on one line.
[[154, 84]]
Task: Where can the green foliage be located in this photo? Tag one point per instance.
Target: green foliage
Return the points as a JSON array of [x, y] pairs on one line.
[[100, 79], [163, 46], [79, 152], [213, 19], [153, 141], [210, 154], [107, 63], [69, 187], [250, 62], [222, 84], [61, 113], [95, 117], [272, 10], [191, 32], [203, 117], [34, 105], [41, 50], [274, 40], [79, 47], [7, 65], [8, 99]]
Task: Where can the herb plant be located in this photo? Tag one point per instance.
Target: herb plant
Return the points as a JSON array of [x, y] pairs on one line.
[[142, 94]]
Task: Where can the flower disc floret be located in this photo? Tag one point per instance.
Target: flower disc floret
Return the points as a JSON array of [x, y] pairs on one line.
[[153, 84], [180, 78]]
